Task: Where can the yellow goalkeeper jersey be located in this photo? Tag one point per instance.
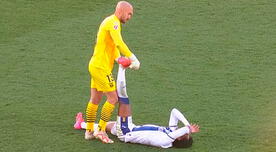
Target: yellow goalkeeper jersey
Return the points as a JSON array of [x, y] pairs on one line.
[[109, 44]]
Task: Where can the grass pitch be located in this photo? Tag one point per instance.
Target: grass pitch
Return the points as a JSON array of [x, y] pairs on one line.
[[214, 60]]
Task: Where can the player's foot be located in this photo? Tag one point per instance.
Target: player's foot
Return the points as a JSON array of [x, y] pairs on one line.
[[89, 135], [78, 122], [103, 137]]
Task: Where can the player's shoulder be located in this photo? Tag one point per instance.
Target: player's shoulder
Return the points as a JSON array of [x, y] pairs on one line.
[[111, 21]]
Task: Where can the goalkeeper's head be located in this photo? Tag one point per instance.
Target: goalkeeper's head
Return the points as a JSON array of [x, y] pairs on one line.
[[124, 11], [184, 141]]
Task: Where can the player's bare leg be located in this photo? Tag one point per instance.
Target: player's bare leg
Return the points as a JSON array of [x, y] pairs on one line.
[[124, 110]]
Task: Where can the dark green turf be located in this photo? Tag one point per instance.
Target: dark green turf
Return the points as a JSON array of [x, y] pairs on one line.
[[214, 60]]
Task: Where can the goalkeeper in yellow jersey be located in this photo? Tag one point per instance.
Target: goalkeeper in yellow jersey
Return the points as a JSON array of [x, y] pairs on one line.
[[109, 46]]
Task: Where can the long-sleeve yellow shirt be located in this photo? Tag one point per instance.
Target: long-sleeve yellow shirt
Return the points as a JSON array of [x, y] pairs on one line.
[[109, 44]]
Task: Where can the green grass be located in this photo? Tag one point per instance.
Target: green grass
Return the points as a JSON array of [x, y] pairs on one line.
[[214, 60]]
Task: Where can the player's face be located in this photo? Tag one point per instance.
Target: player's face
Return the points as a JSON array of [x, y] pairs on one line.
[[127, 14]]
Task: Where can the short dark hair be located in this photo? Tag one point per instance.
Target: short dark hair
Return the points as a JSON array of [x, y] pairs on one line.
[[184, 143]]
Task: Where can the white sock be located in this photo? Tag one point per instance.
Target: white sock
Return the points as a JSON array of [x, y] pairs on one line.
[[121, 83]]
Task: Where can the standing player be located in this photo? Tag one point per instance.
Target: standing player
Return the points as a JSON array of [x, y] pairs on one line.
[[153, 135], [108, 47]]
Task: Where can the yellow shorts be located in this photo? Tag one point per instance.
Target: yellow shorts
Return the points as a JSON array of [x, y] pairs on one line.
[[101, 80]]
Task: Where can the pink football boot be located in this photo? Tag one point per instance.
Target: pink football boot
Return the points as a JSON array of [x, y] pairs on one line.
[[78, 122]]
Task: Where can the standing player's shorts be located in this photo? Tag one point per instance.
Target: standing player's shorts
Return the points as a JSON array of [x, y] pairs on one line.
[[101, 79]]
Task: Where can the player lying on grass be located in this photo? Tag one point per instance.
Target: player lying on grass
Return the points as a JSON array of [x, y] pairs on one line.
[[153, 135]]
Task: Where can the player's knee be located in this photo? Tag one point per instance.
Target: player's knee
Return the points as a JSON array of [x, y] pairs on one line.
[[113, 100], [95, 96], [95, 100]]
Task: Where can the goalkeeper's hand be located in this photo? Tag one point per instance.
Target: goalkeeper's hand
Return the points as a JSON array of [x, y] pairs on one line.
[[135, 64]]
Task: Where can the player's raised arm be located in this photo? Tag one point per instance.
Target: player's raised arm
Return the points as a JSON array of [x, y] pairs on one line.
[[176, 116]]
